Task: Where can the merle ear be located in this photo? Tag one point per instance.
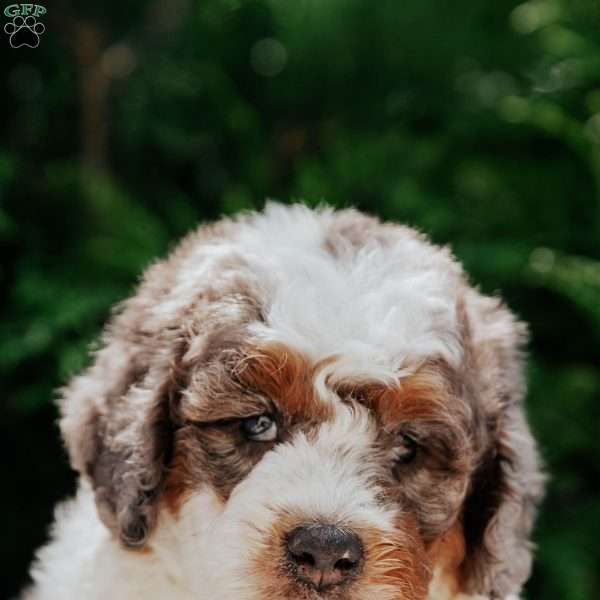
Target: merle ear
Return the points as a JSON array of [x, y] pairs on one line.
[[118, 431], [508, 484]]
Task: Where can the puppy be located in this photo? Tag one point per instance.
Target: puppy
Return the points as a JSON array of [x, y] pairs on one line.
[[303, 404]]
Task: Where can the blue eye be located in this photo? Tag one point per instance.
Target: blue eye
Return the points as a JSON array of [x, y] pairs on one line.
[[261, 428]]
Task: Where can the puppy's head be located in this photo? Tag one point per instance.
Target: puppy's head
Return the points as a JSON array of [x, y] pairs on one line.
[[312, 405]]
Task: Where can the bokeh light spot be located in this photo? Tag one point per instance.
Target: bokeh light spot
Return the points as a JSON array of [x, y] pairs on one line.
[[542, 260], [531, 16], [592, 129], [514, 109], [118, 61], [268, 57]]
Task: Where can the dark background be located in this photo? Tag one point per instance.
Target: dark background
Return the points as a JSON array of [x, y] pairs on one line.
[[476, 121]]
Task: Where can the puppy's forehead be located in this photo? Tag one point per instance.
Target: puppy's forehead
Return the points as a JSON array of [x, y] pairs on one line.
[[380, 303], [382, 299]]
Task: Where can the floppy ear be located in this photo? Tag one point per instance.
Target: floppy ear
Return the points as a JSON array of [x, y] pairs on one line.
[[117, 427], [508, 484]]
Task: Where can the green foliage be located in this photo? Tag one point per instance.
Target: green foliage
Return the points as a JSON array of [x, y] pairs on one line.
[[478, 122]]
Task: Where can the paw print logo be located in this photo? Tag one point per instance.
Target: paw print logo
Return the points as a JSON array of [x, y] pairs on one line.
[[24, 31]]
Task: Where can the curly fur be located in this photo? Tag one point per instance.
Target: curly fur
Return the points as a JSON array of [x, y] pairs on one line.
[[350, 331]]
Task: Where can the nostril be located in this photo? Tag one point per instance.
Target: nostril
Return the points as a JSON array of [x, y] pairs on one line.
[[305, 559], [344, 564]]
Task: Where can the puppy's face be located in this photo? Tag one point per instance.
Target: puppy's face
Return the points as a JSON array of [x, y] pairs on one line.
[[315, 407], [326, 488]]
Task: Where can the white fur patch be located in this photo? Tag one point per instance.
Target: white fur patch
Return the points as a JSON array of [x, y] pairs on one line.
[[349, 305], [382, 308]]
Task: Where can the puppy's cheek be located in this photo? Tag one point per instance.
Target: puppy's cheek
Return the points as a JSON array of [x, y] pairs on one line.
[[183, 536], [447, 555], [213, 543], [397, 565]]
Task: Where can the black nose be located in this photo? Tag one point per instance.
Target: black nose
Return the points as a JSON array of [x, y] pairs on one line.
[[324, 555]]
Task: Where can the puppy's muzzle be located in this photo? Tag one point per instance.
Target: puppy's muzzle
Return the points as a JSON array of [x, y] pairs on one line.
[[324, 556]]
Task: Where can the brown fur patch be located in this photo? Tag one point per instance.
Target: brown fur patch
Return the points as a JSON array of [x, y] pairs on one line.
[[398, 562], [286, 377], [423, 395], [447, 553], [178, 483]]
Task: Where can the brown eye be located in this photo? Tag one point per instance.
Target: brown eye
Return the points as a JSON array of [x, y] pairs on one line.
[[261, 428], [406, 450]]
